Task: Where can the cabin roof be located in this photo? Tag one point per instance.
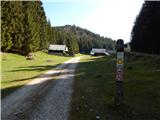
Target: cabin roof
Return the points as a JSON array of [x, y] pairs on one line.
[[98, 50], [58, 47]]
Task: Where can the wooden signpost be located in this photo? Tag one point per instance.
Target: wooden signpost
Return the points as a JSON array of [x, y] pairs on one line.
[[119, 72]]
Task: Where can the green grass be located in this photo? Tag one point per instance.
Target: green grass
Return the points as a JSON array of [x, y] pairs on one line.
[[17, 71], [94, 89]]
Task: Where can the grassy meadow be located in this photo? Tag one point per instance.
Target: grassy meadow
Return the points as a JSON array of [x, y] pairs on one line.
[[94, 89], [17, 71]]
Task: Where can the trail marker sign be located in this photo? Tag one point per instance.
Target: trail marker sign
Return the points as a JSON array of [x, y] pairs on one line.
[[119, 72]]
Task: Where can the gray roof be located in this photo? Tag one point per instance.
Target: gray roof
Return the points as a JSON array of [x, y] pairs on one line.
[[58, 47], [98, 50]]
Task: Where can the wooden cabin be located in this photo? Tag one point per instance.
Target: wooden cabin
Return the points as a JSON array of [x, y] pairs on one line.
[[57, 49]]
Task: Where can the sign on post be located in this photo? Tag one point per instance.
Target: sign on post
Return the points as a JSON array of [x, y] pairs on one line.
[[120, 56], [119, 72]]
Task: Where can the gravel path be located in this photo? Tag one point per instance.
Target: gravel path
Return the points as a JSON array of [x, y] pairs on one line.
[[44, 98]]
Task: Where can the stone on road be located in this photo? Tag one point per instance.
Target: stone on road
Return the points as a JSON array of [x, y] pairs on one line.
[[45, 98]]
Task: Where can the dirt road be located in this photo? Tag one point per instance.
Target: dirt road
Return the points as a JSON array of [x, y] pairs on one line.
[[45, 98]]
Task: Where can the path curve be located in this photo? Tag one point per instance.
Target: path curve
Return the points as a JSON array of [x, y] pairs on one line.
[[44, 98]]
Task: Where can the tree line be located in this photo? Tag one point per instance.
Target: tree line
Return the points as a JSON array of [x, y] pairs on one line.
[[86, 39], [25, 29], [145, 36]]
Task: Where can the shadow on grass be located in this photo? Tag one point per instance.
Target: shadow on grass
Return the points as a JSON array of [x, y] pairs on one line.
[[52, 76], [94, 90], [37, 68], [34, 68], [8, 90]]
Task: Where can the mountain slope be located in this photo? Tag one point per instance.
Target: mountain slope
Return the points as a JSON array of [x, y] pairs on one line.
[[85, 38]]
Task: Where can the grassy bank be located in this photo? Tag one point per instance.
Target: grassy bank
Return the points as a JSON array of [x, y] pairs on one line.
[[94, 89], [17, 71]]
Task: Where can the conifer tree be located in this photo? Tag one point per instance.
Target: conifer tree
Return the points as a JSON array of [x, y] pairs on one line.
[[6, 27], [32, 28], [17, 25], [146, 30]]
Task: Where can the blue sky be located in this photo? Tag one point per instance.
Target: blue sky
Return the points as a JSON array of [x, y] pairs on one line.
[[109, 18], [62, 13]]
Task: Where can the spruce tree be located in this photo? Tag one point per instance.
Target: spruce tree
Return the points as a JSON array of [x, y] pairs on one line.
[[146, 30], [6, 27], [17, 17], [32, 34]]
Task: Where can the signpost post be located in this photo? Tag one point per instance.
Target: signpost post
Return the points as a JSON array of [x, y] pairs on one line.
[[119, 72]]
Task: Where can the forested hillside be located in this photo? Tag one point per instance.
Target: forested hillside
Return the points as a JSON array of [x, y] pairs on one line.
[[25, 29], [146, 31], [85, 38]]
